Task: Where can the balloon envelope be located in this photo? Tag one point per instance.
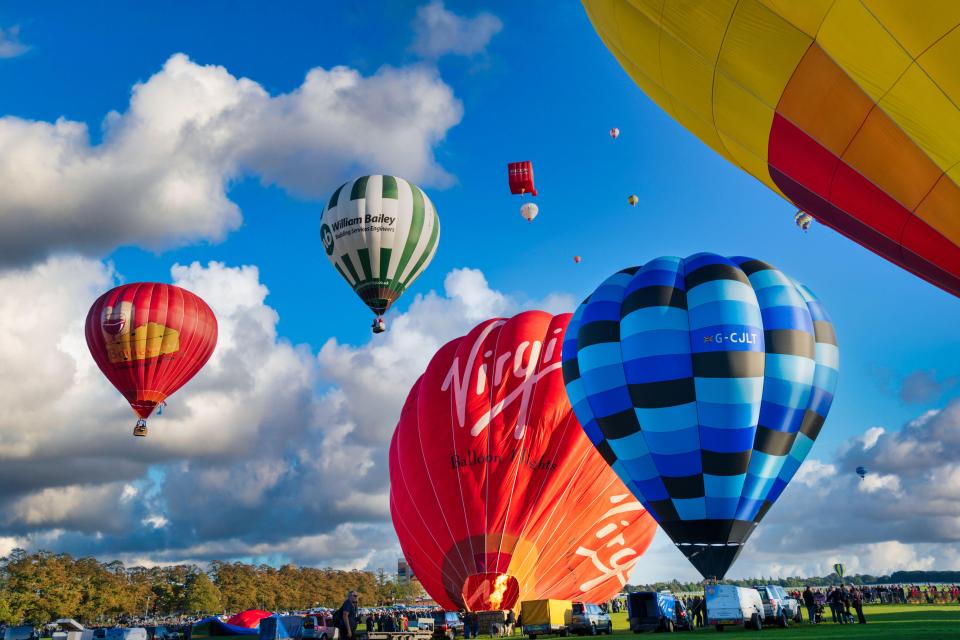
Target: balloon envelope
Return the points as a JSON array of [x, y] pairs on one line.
[[847, 109], [520, 178], [380, 233], [496, 494], [149, 339], [614, 133], [529, 211], [704, 382], [250, 618]]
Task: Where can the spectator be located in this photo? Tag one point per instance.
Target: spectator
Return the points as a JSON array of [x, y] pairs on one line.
[[348, 621], [857, 599], [811, 604], [511, 620], [835, 600]]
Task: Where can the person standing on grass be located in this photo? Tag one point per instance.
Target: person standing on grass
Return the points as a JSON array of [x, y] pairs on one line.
[[857, 598], [811, 604], [347, 621]]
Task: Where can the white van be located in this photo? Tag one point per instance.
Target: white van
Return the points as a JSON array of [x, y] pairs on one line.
[[731, 605]]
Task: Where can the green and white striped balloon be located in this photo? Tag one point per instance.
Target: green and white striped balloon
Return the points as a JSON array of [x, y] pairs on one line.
[[380, 233]]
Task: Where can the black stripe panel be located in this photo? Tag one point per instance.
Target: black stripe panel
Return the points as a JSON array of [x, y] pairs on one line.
[[824, 332], [606, 452], [629, 270], [685, 487], [812, 423], [597, 333], [619, 425], [763, 510], [712, 272], [666, 393], [654, 296], [775, 443], [571, 370], [750, 267], [728, 364], [725, 464], [664, 511], [790, 342]]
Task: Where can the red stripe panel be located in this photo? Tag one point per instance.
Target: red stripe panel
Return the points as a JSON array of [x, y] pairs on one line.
[[803, 170]]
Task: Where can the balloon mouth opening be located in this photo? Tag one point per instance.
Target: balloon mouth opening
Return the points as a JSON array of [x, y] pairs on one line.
[[490, 592]]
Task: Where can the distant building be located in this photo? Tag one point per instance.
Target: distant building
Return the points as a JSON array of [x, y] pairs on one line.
[[404, 572]]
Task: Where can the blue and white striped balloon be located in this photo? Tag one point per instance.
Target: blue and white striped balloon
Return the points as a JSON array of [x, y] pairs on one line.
[[703, 381]]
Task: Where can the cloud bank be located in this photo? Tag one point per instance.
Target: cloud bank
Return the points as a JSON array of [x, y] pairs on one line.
[[161, 175]]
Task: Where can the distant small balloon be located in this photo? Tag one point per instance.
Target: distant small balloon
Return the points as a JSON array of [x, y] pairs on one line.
[[614, 133], [862, 472], [529, 211], [633, 200], [576, 259], [803, 220]]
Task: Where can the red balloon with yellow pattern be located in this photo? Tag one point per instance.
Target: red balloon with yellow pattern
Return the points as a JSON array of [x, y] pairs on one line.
[[497, 495], [149, 339]]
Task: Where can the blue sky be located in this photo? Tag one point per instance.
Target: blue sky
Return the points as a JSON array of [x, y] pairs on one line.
[[543, 88]]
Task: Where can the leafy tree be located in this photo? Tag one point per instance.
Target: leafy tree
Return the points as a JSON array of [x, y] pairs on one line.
[[202, 595]]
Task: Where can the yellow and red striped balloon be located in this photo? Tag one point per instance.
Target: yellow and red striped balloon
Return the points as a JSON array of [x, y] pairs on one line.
[[847, 108]]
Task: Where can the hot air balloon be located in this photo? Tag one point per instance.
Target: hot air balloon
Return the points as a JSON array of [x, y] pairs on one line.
[[633, 200], [862, 472], [496, 494], [250, 618], [614, 133], [838, 569], [847, 109], [149, 339], [576, 259], [704, 381], [529, 211], [803, 220], [380, 232], [520, 177]]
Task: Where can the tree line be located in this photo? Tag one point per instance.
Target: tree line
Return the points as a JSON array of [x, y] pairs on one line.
[[798, 582], [43, 586]]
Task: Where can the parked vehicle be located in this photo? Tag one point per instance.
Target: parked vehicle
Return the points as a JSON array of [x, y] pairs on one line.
[[774, 607], [545, 617], [448, 624], [23, 632], [652, 611], [731, 605], [588, 618], [315, 628]]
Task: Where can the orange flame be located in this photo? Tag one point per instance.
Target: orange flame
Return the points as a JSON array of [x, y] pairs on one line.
[[499, 589]]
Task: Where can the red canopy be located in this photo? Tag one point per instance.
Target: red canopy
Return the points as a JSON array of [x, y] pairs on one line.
[[250, 618]]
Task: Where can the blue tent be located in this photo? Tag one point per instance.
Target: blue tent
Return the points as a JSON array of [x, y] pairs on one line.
[[281, 627]]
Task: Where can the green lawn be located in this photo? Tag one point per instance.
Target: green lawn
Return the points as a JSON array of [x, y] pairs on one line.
[[883, 621]]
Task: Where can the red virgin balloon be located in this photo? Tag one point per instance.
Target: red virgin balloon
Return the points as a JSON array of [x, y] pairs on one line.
[[496, 493], [149, 339]]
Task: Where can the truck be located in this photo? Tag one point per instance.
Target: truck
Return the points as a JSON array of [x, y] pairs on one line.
[[545, 617], [656, 611], [729, 605]]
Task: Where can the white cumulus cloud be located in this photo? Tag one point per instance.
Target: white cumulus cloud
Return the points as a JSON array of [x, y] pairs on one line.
[[440, 31], [270, 451], [10, 44], [161, 174]]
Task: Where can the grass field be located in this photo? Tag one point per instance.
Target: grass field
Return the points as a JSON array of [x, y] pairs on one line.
[[925, 622]]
